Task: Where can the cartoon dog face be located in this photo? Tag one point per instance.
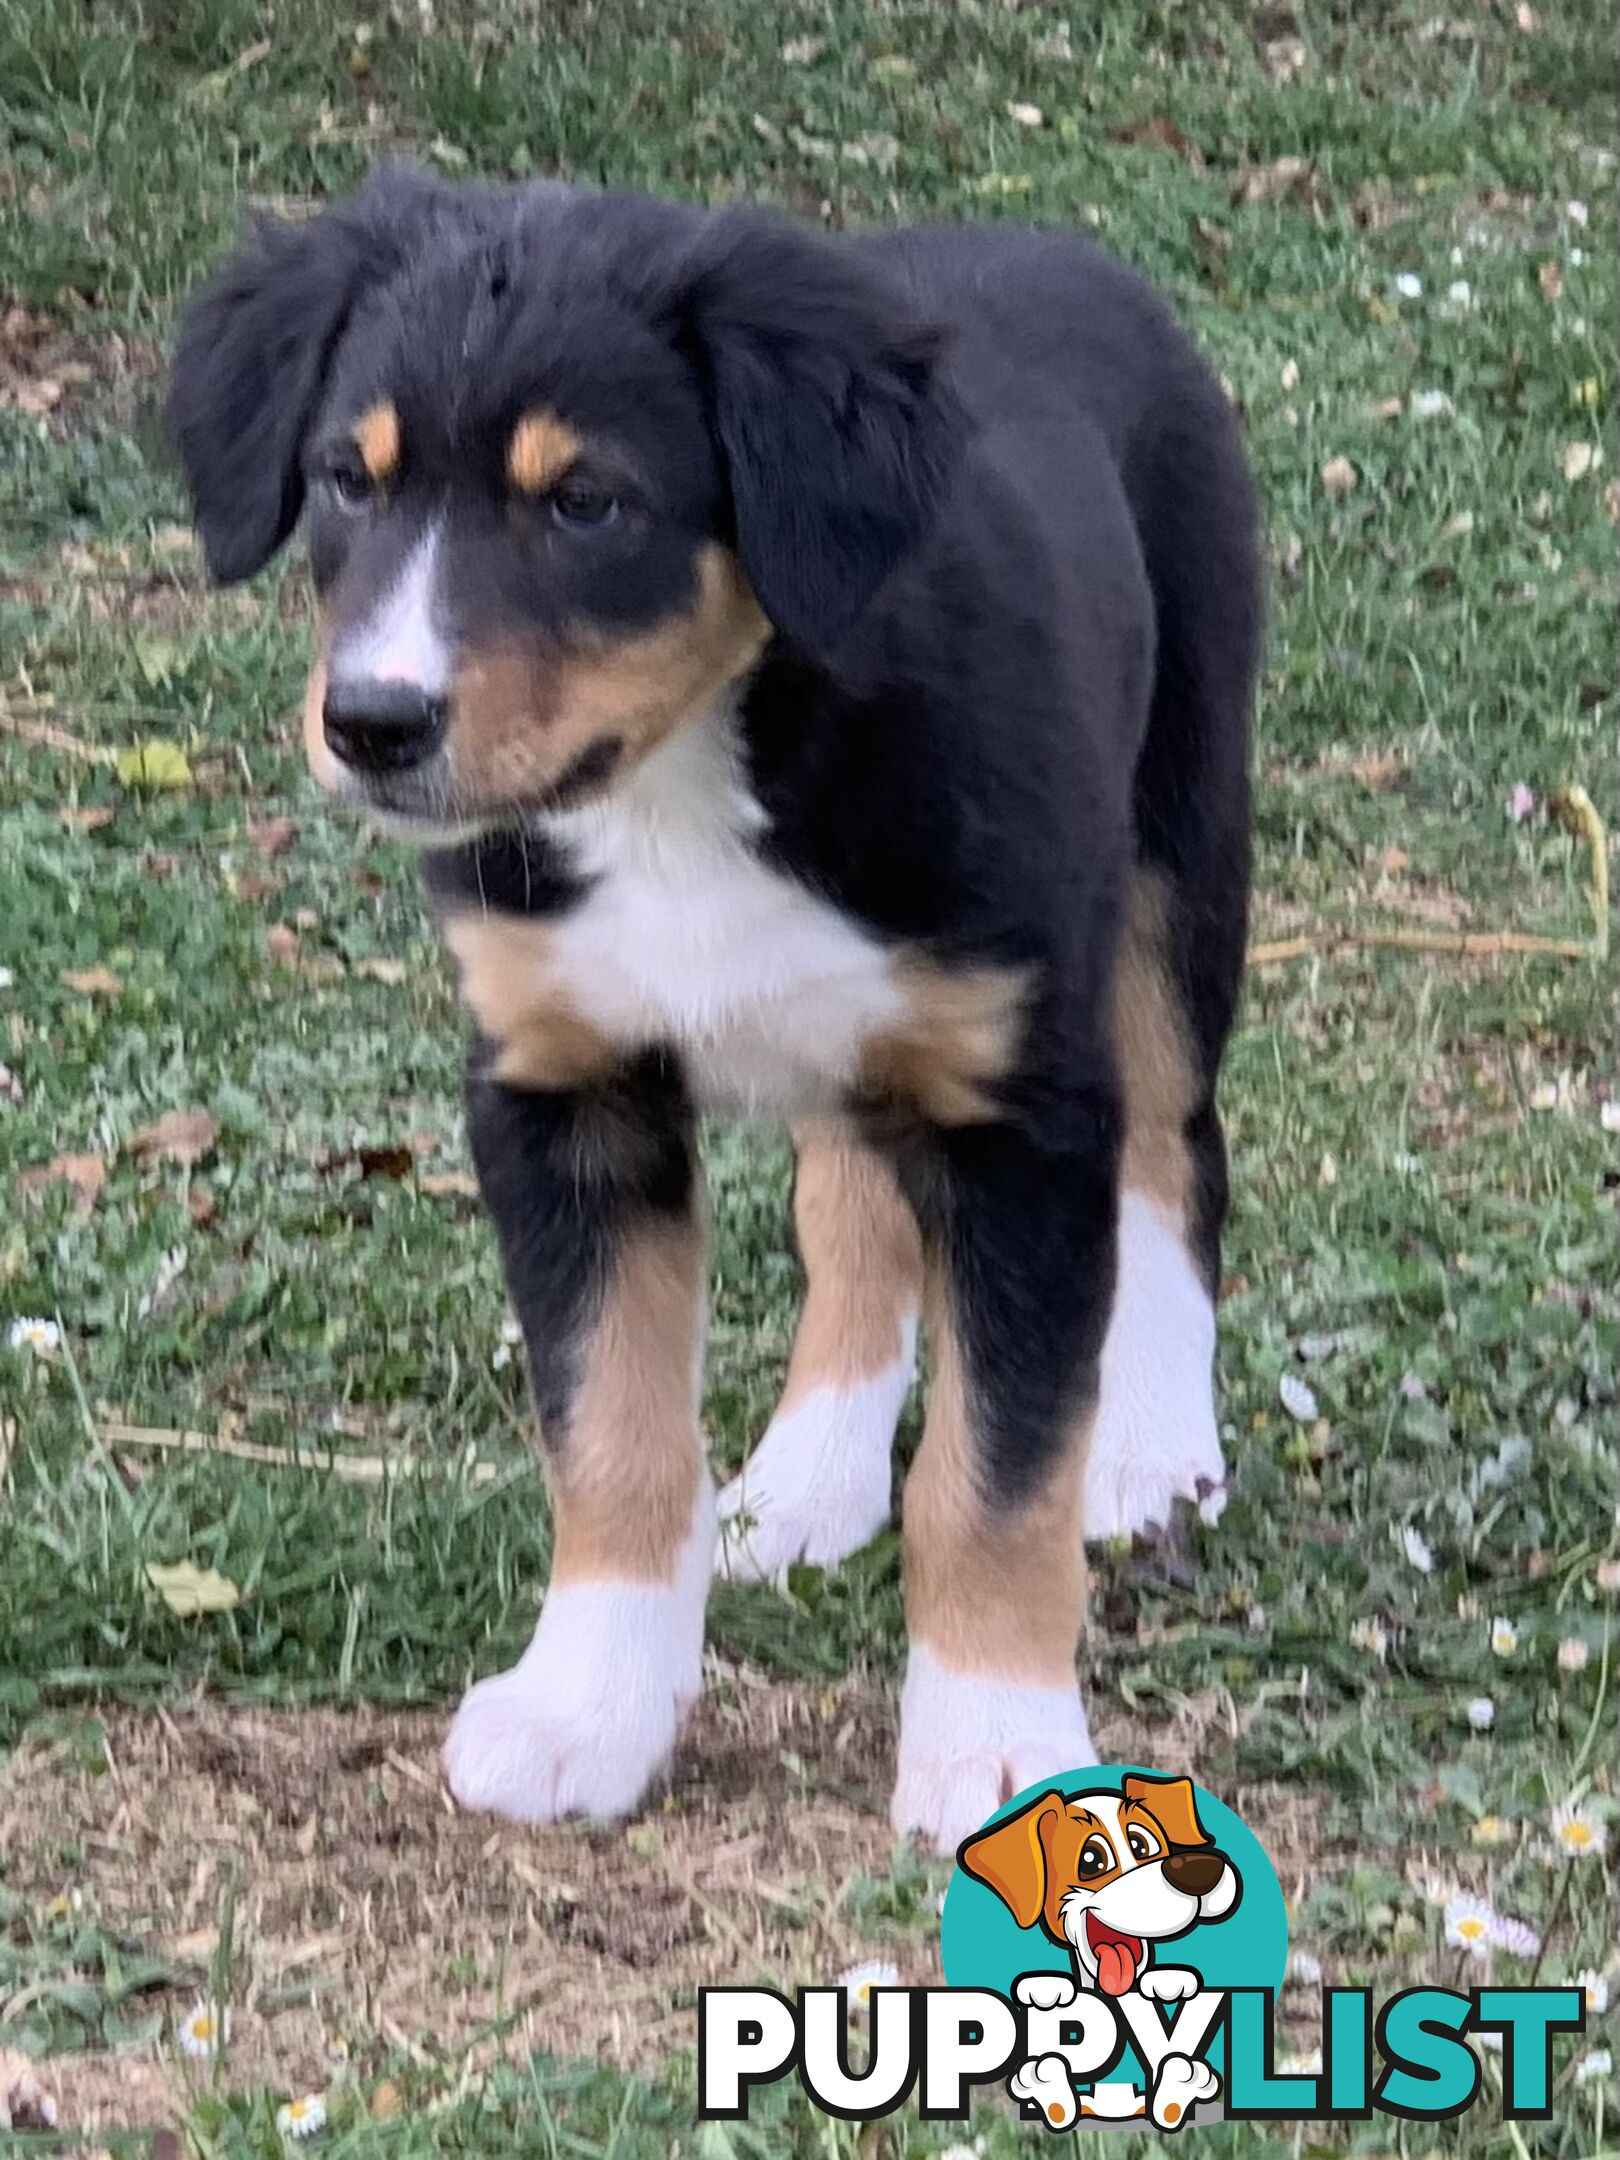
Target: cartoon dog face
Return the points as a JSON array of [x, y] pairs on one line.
[[1107, 1874]]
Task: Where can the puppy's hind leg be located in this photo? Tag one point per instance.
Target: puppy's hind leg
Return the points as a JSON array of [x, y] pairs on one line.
[[1156, 1440], [817, 1486]]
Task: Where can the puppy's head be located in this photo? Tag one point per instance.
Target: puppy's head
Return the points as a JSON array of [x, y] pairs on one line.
[[566, 463], [1107, 1874]]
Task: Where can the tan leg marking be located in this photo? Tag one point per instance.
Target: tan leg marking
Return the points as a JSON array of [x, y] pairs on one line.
[[1157, 1071], [507, 982], [992, 1590], [862, 1261], [961, 1034], [376, 437], [624, 1471], [541, 450]]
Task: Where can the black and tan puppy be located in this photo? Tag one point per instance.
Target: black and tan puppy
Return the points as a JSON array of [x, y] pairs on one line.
[[818, 672]]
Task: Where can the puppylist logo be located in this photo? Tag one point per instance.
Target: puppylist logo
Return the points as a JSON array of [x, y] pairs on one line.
[[1113, 1944]]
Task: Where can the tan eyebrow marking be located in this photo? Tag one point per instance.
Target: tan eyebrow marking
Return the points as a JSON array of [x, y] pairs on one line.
[[376, 437], [541, 450]]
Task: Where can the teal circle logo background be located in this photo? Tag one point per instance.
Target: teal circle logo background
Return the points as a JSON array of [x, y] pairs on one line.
[[983, 1946]]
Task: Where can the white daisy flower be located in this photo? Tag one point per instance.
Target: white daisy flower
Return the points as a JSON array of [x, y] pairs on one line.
[[1578, 1832], [43, 1337], [1370, 1636], [1504, 1636], [1573, 1654], [860, 1980], [1430, 405], [1577, 258], [1418, 1550], [1459, 292], [1576, 212], [1596, 1990], [1409, 285], [1304, 1968], [1481, 1713], [1469, 1924], [1608, 1575], [511, 1336], [302, 2118], [204, 2030], [6, 978], [1491, 1830], [1594, 2064], [1516, 1936]]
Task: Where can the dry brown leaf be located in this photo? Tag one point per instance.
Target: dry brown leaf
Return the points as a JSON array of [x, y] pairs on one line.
[[1283, 179], [1339, 478], [87, 817], [449, 1184], [1159, 132], [281, 943], [387, 1162], [201, 1206], [87, 1174], [1550, 277], [179, 1136], [1389, 408], [273, 837], [383, 971], [93, 981]]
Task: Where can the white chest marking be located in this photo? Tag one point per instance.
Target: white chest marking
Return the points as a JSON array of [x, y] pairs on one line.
[[686, 936]]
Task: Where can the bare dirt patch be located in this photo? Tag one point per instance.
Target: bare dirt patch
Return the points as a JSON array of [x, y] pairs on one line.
[[371, 1917]]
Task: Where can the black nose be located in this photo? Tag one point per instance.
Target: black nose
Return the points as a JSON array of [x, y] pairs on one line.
[[382, 726], [1195, 1872]]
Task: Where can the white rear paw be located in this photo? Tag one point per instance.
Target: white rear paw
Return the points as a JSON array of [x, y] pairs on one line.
[[817, 1486], [968, 1744], [1177, 2090], [1155, 1440]]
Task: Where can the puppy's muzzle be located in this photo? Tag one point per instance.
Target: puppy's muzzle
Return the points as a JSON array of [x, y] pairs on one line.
[[374, 726]]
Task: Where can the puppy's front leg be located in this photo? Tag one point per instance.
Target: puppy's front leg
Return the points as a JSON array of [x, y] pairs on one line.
[[593, 1194], [1019, 1233]]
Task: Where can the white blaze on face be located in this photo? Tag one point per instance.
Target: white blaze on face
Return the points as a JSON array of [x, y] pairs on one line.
[[1043, 2083], [1180, 2085], [399, 641]]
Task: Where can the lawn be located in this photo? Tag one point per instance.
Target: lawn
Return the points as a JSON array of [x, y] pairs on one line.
[[234, 1176]]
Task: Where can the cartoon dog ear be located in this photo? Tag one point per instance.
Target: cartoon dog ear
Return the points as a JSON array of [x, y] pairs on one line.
[[1010, 1858], [836, 427], [253, 353], [1173, 1805]]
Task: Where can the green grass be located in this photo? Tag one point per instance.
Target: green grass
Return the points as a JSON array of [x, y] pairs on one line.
[[1412, 1233]]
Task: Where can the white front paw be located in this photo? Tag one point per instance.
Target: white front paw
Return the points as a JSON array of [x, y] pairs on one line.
[[968, 1744], [1045, 1990], [1169, 1983], [589, 1715], [817, 1486], [1155, 1440]]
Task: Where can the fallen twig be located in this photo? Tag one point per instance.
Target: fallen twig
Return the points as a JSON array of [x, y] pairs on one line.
[[353, 1469], [1460, 944]]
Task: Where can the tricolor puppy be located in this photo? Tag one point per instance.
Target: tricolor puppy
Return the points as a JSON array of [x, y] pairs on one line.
[[1108, 1875], [818, 674]]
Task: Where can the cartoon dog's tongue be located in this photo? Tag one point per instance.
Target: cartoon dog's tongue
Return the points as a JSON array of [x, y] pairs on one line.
[[1118, 1956]]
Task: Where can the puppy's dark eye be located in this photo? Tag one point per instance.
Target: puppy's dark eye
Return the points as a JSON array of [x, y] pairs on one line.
[[578, 506], [350, 486], [1142, 1846], [1096, 1857]]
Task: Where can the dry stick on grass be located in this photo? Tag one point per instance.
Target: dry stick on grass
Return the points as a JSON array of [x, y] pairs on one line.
[[353, 1469], [1576, 811]]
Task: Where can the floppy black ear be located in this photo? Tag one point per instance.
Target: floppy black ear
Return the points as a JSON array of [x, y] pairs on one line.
[[253, 353], [837, 430]]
